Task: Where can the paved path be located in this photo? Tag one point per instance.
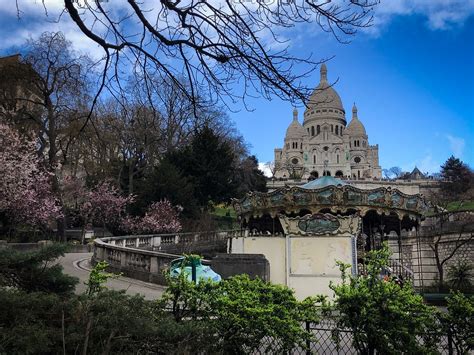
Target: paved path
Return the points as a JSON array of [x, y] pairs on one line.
[[78, 265]]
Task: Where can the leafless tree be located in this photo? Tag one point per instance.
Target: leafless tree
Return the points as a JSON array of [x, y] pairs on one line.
[[213, 46], [273, 167], [464, 234]]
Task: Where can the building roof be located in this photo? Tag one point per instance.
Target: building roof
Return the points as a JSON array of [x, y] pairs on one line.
[[324, 96], [323, 182], [355, 127], [416, 174]]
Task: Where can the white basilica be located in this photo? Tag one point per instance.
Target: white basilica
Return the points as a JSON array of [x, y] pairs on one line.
[[325, 144]]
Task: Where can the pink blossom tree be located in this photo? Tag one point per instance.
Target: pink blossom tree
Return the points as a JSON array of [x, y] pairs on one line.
[[104, 205], [25, 186], [161, 217]]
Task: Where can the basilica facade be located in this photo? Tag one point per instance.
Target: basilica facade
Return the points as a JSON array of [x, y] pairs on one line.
[[325, 145]]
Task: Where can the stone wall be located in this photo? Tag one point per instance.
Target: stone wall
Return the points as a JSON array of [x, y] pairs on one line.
[[417, 252], [146, 257], [26, 247], [254, 265]]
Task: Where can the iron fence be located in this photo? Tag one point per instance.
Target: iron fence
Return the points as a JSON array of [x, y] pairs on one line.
[[328, 339]]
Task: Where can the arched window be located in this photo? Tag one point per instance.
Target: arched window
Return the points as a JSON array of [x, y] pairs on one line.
[[355, 143], [332, 129], [337, 130], [339, 173], [301, 145], [337, 158], [312, 130], [314, 159], [358, 174], [307, 130], [318, 129], [341, 130]]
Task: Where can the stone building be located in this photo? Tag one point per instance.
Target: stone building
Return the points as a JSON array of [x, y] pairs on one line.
[[325, 144]]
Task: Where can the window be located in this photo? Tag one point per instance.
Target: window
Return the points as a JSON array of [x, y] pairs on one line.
[[307, 129], [326, 148], [294, 161], [332, 129], [337, 158], [325, 110], [314, 159], [312, 130], [357, 160], [337, 130], [318, 129]]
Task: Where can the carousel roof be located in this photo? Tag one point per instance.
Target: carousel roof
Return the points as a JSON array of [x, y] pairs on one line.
[[332, 194]]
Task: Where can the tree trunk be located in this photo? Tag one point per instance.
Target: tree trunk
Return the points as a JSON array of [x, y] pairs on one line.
[[88, 331], [52, 161]]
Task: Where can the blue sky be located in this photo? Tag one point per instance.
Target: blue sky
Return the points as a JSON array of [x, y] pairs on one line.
[[411, 76]]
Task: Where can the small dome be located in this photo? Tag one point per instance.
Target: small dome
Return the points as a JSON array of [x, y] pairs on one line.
[[355, 127], [295, 129], [324, 96]]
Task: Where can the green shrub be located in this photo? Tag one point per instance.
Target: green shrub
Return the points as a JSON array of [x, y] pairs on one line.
[[384, 316]]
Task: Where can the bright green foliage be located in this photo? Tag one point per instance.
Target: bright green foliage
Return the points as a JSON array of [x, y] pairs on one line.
[[98, 277], [36, 271], [459, 321], [383, 316], [245, 311], [241, 315]]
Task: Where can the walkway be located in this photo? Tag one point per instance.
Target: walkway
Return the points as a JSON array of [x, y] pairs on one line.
[[78, 265]]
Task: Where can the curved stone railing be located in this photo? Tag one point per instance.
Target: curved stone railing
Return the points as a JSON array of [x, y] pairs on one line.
[[138, 256]]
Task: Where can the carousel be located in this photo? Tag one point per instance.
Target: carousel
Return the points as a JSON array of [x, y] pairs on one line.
[[303, 230]]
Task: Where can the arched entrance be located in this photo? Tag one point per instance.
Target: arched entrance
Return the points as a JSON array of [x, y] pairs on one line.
[[339, 174], [313, 175]]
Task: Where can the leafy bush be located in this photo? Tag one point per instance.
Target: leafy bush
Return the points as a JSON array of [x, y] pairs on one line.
[[459, 322], [384, 316], [241, 315]]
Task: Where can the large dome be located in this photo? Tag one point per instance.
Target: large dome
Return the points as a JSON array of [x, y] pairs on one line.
[[324, 96], [355, 127], [295, 129], [324, 102]]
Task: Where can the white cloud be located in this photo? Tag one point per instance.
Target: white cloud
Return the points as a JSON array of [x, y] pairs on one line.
[[440, 14], [262, 167], [456, 144]]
